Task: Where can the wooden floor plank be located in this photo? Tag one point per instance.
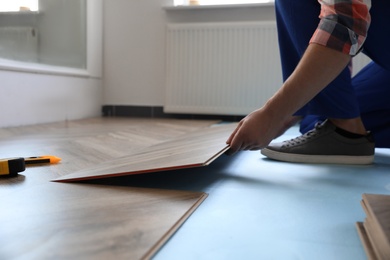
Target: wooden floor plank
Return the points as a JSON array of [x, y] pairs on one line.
[[73, 221], [376, 224], [41, 219], [196, 149], [365, 241]]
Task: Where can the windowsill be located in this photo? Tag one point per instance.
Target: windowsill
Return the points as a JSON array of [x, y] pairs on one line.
[[26, 13], [199, 7], [20, 66]]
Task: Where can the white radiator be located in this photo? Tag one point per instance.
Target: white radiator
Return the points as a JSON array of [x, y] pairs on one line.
[[221, 68], [19, 43]]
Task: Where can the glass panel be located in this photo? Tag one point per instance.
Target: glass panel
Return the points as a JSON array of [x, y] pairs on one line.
[[54, 35]]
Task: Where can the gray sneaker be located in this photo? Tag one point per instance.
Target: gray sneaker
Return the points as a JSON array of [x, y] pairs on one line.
[[323, 145]]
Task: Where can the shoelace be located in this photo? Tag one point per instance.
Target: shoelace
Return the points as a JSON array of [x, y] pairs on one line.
[[303, 138]]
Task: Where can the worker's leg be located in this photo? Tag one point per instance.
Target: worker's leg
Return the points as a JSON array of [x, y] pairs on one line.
[[372, 83]]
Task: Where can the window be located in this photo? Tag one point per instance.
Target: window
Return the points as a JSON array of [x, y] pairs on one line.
[[54, 35], [18, 5]]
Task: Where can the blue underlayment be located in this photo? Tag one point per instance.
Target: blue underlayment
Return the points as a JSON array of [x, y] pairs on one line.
[[263, 209]]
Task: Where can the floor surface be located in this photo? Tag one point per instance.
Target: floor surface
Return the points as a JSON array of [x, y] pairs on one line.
[[256, 208]]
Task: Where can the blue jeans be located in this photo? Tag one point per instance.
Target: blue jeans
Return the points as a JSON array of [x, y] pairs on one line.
[[367, 94]]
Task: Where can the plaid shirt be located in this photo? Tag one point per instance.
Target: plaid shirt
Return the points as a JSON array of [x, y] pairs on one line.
[[344, 25]]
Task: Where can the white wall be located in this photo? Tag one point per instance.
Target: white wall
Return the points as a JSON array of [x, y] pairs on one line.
[[134, 41], [29, 98], [134, 46]]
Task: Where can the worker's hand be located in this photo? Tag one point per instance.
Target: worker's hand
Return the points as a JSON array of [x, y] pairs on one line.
[[254, 132], [257, 130]]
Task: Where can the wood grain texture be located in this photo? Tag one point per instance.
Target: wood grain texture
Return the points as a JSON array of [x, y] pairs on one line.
[[84, 143], [60, 221], [198, 148], [366, 241], [377, 223], [41, 219]]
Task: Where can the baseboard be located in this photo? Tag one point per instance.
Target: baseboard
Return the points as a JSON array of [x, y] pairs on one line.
[[158, 112]]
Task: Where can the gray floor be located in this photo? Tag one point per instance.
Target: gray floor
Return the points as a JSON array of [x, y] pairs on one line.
[[263, 209]]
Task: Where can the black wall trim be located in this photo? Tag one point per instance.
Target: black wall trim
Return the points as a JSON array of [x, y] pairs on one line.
[[158, 112]]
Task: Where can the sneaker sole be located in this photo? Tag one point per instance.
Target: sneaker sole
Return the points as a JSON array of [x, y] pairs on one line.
[[320, 159]]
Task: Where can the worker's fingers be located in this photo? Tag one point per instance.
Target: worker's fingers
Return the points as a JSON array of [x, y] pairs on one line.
[[230, 139]]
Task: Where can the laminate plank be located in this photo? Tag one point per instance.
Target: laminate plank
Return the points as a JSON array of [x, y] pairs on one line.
[[377, 224], [196, 149], [368, 248], [73, 221]]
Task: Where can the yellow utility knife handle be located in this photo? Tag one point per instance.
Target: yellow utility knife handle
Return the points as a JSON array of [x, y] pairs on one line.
[[10, 167]]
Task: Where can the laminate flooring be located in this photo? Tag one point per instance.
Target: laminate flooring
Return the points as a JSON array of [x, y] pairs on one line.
[[196, 149], [375, 230], [41, 219]]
